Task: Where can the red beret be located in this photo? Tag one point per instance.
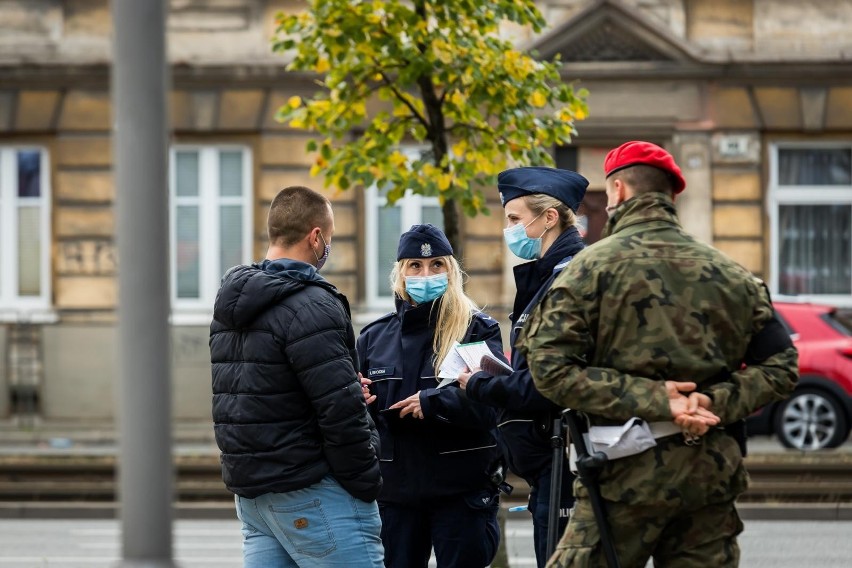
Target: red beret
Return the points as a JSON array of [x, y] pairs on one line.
[[636, 152]]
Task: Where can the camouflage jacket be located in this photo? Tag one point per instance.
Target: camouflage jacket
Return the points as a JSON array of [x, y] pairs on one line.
[[646, 304]]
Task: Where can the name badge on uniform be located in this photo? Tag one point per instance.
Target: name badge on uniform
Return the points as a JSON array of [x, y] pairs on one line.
[[379, 372]]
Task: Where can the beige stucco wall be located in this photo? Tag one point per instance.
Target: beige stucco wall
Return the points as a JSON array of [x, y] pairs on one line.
[[81, 366], [54, 58]]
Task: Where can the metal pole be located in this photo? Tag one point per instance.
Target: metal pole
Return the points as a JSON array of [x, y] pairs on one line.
[[555, 504], [140, 86]]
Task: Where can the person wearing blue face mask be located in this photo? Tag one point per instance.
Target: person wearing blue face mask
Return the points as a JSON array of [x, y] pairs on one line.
[[540, 206], [298, 445], [438, 449]]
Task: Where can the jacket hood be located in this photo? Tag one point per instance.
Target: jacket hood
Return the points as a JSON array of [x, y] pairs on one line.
[[248, 290]]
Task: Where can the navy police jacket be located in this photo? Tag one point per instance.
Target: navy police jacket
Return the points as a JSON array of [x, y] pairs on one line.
[[451, 450], [525, 416]]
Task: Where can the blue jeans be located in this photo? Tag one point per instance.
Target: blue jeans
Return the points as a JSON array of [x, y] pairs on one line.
[[321, 525]]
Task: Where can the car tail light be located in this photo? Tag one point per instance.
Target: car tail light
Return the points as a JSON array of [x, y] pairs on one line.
[[846, 351]]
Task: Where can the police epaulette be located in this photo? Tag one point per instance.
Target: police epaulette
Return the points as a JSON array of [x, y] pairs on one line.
[[385, 317], [486, 319]]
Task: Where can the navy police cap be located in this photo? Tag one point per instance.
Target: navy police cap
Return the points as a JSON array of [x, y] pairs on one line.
[[566, 186], [423, 241]]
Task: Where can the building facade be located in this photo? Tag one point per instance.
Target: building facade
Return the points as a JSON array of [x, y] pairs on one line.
[[753, 97]]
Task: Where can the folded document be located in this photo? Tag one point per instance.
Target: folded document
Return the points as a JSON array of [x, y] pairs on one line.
[[471, 356]]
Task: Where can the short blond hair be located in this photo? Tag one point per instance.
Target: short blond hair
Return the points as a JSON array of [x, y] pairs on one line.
[[538, 203]]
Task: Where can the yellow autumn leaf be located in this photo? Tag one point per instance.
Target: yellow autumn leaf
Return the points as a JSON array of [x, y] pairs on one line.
[[537, 99], [459, 148], [320, 106], [294, 102], [444, 181], [322, 65], [398, 158]]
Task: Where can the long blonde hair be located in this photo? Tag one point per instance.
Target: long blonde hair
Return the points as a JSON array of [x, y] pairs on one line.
[[456, 308]]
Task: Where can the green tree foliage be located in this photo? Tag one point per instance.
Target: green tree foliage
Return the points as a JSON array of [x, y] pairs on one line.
[[446, 82]]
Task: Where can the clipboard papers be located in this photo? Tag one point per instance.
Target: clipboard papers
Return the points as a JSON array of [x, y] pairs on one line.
[[470, 356]]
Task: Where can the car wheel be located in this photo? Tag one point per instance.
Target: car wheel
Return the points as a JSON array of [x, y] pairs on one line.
[[811, 419]]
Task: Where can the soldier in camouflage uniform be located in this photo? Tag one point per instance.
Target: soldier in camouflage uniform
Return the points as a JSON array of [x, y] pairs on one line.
[[651, 323]]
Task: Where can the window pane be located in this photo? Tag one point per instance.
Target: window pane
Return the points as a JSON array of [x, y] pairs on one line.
[[187, 262], [29, 173], [815, 249], [230, 237], [432, 214], [389, 231], [231, 173], [186, 173], [29, 251], [807, 166]]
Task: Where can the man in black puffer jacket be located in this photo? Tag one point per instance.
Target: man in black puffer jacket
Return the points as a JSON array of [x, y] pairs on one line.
[[298, 446]]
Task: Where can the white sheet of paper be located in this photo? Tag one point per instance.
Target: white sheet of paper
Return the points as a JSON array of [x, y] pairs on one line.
[[451, 366], [472, 353]]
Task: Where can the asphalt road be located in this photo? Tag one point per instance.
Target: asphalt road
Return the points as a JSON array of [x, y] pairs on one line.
[[214, 544]]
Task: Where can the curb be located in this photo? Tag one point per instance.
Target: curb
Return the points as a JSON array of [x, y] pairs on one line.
[[795, 511], [225, 511], [109, 511]]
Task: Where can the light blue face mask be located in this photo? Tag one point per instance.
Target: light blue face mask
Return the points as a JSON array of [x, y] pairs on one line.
[[424, 289], [522, 245]]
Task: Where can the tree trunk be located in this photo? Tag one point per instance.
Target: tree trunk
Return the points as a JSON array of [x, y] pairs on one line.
[[451, 228]]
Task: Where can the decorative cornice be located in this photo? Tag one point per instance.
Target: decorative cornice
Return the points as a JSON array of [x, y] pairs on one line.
[[96, 76], [608, 30], [613, 41]]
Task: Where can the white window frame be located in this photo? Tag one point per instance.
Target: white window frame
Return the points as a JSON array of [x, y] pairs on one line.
[[411, 206], [801, 195], [13, 306], [198, 311]]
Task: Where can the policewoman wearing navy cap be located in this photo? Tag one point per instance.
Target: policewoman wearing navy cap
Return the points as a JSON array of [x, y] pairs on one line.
[[540, 206], [438, 448]]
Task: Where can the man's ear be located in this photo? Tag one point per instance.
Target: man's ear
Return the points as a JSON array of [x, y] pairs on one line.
[[313, 236], [621, 189]]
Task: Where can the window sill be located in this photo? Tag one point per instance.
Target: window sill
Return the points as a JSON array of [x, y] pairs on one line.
[[191, 319], [38, 316], [837, 300]]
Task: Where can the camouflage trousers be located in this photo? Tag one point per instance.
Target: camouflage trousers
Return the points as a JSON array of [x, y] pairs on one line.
[[674, 538]]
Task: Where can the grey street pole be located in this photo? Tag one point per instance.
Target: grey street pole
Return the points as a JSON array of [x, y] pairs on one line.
[[139, 89]]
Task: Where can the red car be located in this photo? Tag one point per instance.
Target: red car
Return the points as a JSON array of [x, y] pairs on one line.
[[819, 413]]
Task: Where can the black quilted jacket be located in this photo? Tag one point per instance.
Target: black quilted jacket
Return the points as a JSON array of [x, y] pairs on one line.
[[287, 405]]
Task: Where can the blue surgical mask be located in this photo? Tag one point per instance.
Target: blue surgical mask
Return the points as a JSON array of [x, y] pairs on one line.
[[424, 289], [326, 251], [522, 245]]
